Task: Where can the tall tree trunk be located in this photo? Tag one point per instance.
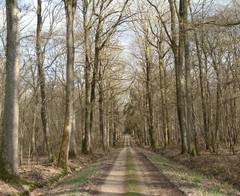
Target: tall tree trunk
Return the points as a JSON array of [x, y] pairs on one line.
[[203, 99], [192, 149], [114, 119], [107, 113], [33, 150], [180, 78], [21, 138], [95, 71], [145, 129], [73, 144], [41, 79], [149, 97], [101, 112], [86, 145], [111, 117], [164, 106], [178, 51], [215, 133], [70, 7], [201, 81], [93, 83], [9, 149], [167, 107]]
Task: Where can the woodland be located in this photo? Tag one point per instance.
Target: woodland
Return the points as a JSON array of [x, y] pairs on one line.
[[77, 76]]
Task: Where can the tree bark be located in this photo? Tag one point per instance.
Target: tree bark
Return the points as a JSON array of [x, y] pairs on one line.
[[73, 144], [101, 112], [180, 78], [9, 150], [41, 80], [192, 149], [201, 81], [93, 83], [164, 106], [86, 146], [149, 97], [178, 51], [70, 7]]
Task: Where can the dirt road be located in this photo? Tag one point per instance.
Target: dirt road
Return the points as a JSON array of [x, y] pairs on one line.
[[151, 180], [128, 171], [146, 179], [114, 183]]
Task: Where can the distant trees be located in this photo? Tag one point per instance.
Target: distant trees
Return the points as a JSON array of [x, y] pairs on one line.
[[185, 45], [103, 19]]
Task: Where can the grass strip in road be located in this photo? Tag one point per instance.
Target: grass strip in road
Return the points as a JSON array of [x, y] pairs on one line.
[[132, 182]]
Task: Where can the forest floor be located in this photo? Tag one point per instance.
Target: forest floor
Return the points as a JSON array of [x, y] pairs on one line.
[[132, 171], [222, 166], [36, 177]]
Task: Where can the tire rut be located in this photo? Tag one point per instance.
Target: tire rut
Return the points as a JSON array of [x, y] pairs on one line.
[[151, 180]]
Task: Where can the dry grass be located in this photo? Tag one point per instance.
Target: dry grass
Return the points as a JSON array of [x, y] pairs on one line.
[[196, 176], [223, 167]]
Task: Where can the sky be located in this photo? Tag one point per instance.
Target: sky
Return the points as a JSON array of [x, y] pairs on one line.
[[126, 37]]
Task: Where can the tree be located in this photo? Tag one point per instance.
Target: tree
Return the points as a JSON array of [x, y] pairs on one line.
[[179, 42], [9, 148], [41, 79], [104, 21], [86, 146], [70, 7]]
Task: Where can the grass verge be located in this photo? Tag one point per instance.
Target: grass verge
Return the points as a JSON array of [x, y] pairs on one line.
[[72, 186], [82, 177], [132, 183], [189, 181], [47, 182]]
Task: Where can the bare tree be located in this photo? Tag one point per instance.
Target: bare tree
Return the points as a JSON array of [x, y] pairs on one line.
[[70, 7], [104, 20], [41, 79], [9, 149], [86, 146]]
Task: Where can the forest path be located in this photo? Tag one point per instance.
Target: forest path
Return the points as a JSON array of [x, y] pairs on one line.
[[132, 171], [133, 174], [114, 184], [151, 181], [125, 172]]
